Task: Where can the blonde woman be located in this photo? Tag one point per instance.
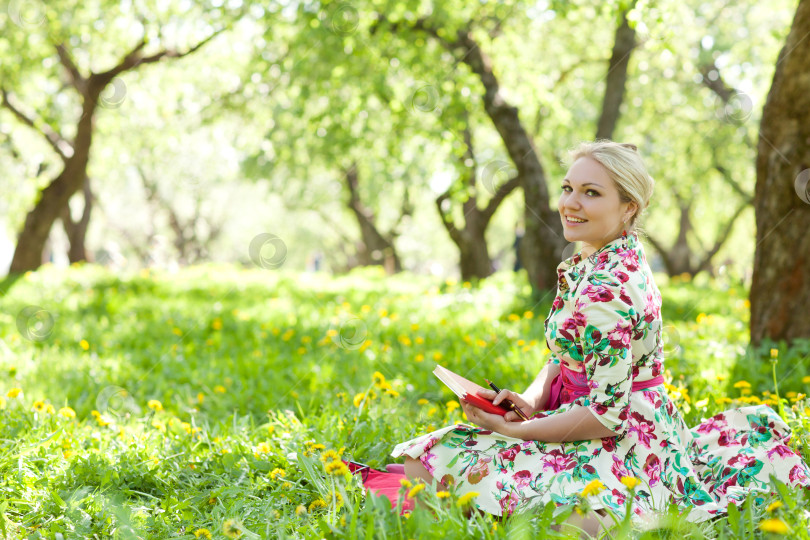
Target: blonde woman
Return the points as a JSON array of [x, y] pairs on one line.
[[601, 424]]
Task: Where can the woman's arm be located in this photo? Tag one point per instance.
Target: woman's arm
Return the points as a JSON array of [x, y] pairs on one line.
[[577, 424]]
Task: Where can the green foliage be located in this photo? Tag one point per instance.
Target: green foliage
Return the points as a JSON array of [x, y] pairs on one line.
[[211, 398]]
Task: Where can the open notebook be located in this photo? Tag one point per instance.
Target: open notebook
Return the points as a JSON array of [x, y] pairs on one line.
[[467, 390]]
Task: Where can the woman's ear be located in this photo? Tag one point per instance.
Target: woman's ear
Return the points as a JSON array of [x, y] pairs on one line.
[[632, 208]]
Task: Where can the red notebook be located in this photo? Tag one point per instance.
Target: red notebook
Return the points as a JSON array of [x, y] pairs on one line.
[[466, 389]]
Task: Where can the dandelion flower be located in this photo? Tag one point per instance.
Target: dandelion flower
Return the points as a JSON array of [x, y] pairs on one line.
[[277, 472], [300, 509], [443, 494], [155, 405], [329, 455], [14, 392], [39, 406], [379, 378], [422, 401], [263, 447], [336, 468], [203, 533], [452, 406], [232, 528], [405, 483], [774, 525], [593, 487], [84, 344], [158, 425], [467, 497], [317, 503], [742, 384], [67, 412], [415, 489], [358, 399], [219, 389], [528, 315], [630, 481], [217, 324], [49, 409], [773, 506]]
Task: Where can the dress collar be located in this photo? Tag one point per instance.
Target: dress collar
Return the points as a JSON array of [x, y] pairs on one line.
[[573, 268]]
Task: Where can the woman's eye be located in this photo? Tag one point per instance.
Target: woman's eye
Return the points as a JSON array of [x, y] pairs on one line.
[[595, 193], [565, 187]]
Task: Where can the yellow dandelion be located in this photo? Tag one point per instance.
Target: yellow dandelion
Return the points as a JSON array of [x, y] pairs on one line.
[[158, 425], [337, 468], [14, 392], [805, 380], [217, 324], [452, 406], [49, 409], [742, 384], [528, 315], [422, 401], [443, 494], [773, 506], [103, 420], [39, 406], [593, 487], [404, 482], [392, 393], [437, 356], [219, 389], [774, 353], [513, 317], [466, 498], [277, 472], [232, 528], [203, 533], [358, 399], [317, 503], [774, 525], [263, 447], [300, 509], [200, 397], [481, 342], [155, 405], [630, 482], [419, 358], [722, 400], [415, 489], [84, 344], [329, 455]]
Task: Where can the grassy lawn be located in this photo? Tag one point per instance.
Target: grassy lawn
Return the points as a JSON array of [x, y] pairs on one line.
[[213, 400]]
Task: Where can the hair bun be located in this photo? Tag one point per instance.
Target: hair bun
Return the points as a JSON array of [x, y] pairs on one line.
[[631, 146]]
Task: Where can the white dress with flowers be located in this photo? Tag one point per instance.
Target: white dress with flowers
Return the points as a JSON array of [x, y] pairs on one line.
[[605, 324]]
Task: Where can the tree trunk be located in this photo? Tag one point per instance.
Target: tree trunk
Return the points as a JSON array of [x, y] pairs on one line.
[[616, 79], [77, 230], [543, 241], [55, 197], [780, 291], [375, 248]]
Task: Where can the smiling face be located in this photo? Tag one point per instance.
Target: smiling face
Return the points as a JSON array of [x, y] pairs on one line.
[[590, 208]]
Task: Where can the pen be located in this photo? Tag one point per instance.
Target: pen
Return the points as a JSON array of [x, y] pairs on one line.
[[509, 405]]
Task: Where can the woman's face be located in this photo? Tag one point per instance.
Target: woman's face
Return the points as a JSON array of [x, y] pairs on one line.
[[589, 194]]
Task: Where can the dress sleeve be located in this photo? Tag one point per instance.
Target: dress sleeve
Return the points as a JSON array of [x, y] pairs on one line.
[[606, 320]]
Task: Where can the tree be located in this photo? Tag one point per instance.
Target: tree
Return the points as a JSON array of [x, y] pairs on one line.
[[780, 291], [73, 150]]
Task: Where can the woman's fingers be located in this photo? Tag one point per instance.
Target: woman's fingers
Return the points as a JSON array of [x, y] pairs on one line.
[[489, 394], [502, 395]]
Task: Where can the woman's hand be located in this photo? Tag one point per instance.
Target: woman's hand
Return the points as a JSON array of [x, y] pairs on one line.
[[492, 422], [496, 398]]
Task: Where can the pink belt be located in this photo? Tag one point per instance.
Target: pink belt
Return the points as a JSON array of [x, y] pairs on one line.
[[570, 385]]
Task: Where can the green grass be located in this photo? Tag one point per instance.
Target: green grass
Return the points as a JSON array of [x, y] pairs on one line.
[[255, 374]]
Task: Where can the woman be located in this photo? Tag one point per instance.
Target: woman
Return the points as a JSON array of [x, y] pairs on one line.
[[598, 408]]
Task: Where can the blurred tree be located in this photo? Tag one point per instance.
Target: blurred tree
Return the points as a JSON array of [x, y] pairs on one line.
[[57, 37], [780, 291]]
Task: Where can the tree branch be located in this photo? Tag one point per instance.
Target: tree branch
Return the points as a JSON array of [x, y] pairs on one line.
[[76, 79], [502, 192], [447, 221], [134, 58], [60, 145]]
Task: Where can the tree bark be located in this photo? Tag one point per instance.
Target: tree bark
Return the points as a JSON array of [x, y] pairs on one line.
[[376, 248], [474, 259], [616, 79], [780, 291], [77, 230]]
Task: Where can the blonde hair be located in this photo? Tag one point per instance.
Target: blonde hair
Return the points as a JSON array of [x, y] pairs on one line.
[[625, 167]]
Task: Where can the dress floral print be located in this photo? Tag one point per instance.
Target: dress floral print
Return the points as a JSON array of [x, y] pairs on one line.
[[605, 330]]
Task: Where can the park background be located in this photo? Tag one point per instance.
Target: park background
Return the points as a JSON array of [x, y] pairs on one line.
[[239, 235]]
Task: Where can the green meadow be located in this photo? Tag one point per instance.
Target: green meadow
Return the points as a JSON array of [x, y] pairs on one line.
[[214, 402]]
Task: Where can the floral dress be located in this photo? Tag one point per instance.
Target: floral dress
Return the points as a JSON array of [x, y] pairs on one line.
[[605, 327]]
